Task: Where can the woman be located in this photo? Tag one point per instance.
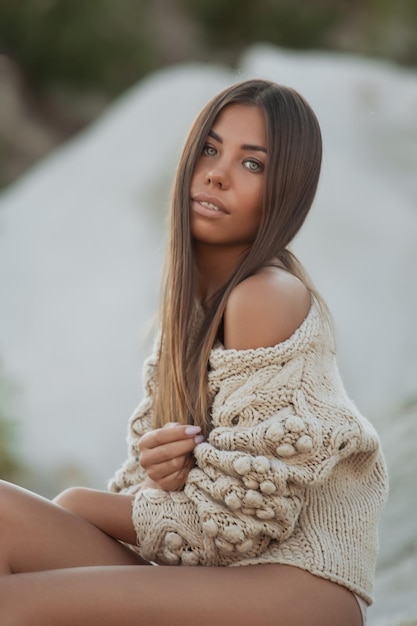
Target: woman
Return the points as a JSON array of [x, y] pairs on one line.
[[245, 449]]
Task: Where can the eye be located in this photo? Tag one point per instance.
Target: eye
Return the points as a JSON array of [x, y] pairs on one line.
[[209, 150], [253, 166]]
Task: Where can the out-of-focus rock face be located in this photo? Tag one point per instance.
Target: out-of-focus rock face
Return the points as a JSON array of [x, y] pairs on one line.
[[81, 247]]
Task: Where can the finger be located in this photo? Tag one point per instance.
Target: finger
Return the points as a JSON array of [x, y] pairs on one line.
[[161, 436], [163, 470], [166, 452], [177, 479]]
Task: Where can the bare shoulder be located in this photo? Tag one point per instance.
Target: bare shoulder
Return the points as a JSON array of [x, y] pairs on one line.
[[265, 309]]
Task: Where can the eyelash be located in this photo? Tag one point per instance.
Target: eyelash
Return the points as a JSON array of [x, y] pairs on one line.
[[260, 166]]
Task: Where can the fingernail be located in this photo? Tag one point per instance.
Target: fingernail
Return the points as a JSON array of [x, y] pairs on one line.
[[192, 430], [198, 439]]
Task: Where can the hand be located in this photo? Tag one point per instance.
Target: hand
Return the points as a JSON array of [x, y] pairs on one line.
[[166, 455]]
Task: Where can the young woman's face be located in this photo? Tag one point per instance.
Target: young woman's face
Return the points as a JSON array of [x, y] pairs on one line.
[[228, 180]]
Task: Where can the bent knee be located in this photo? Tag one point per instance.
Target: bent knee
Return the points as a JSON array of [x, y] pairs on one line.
[[71, 498]]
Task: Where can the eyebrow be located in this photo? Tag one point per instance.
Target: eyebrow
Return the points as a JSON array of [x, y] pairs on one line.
[[245, 146]]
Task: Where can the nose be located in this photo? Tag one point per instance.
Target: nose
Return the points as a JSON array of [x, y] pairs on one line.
[[217, 177]]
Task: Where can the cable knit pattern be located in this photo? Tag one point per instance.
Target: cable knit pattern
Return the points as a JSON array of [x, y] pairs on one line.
[[291, 472]]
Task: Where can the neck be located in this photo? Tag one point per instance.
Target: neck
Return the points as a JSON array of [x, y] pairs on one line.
[[215, 265]]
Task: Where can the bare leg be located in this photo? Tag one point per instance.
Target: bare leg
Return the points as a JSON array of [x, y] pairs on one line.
[[271, 595], [36, 534]]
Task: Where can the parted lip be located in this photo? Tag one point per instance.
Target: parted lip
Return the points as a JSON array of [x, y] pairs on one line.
[[202, 197]]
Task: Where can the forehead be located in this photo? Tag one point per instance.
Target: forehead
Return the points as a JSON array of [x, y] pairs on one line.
[[246, 122]]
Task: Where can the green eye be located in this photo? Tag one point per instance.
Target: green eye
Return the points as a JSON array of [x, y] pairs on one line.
[[209, 151], [253, 166]]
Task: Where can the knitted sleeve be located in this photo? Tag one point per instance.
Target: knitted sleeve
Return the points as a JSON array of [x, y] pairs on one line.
[[129, 477], [274, 436]]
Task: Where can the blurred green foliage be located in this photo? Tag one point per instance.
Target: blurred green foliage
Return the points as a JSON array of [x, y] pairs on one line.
[[288, 23], [374, 27], [95, 43], [67, 59], [108, 44], [393, 30], [9, 463]]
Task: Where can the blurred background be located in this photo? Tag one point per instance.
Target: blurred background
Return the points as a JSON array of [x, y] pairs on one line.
[[95, 101], [64, 61]]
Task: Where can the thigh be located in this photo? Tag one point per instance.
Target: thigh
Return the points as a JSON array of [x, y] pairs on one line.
[[271, 595], [36, 534]]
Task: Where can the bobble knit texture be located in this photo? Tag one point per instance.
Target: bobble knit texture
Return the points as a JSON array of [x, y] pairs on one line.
[[291, 472]]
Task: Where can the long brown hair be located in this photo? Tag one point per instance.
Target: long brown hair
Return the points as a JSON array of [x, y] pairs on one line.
[[291, 177]]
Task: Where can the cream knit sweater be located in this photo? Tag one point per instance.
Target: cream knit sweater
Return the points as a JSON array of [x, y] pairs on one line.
[[291, 472]]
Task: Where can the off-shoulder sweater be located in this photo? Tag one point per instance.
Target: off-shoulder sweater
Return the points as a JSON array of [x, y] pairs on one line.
[[291, 472]]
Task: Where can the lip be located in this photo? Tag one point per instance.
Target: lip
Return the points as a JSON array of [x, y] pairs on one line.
[[202, 197]]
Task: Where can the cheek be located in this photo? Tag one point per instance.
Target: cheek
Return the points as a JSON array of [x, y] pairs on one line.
[[253, 214], [193, 180], [257, 209], [255, 201]]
